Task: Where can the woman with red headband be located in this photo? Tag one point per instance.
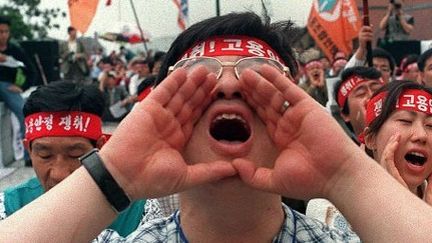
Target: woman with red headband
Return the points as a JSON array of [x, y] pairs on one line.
[[399, 134]]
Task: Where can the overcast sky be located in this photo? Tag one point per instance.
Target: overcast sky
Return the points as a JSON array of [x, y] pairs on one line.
[[159, 17]]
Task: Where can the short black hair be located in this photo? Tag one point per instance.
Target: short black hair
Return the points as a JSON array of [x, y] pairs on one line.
[[394, 90], [421, 62], [381, 53], [65, 96], [277, 35], [5, 20], [70, 28], [363, 72]]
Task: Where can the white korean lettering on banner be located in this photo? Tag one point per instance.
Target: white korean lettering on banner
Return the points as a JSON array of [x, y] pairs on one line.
[[38, 123], [430, 105], [255, 48], [29, 126], [78, 123], [48, 121], [348, 86], [66, 122], [197, 50], [272, 55], [409, 102], [232, 45], [344, 91], [422, 103], [378, 107]]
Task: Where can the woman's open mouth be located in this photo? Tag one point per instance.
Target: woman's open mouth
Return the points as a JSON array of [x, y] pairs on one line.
[[416, 158]]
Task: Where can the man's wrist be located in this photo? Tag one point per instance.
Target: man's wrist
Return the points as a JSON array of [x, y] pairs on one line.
[[112, 191], [351, 174]]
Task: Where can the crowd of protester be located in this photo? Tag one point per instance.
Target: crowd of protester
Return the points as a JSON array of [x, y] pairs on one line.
[[385, 109]]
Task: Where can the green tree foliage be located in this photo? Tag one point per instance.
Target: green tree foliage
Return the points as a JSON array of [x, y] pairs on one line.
[[29, 21]]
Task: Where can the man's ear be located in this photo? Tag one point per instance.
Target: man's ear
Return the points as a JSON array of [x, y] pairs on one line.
[[101, 141], [370, 139]]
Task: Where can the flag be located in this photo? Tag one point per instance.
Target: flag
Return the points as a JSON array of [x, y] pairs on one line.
[[183, 15], [333, 24], [81, 13]]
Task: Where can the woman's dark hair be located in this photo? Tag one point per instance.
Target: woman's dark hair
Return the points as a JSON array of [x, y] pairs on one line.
[[362, 72], [393, 89], [65, 96], [278, 35]]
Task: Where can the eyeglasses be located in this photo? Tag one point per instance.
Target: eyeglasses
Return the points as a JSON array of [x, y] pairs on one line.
[[215, 66]]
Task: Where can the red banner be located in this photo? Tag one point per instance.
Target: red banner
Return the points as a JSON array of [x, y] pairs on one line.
[[81, 13], [333, 24]]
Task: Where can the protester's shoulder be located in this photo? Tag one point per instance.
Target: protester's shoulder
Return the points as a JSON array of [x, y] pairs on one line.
[[306, 229], [32, 184]]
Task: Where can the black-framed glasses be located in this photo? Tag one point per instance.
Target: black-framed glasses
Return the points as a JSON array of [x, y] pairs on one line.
[[215, 66]]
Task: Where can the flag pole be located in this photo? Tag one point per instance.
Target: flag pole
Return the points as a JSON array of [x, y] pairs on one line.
[[366, 23], [139, 27], [217, 8]]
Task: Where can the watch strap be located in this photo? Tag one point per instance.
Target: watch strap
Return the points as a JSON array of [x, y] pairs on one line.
[[106, 183]]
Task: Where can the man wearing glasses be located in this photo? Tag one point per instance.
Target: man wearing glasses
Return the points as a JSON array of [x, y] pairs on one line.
[[230, 142]]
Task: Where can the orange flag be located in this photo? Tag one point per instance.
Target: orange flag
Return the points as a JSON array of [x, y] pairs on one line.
[[81, 13], [334, 24]]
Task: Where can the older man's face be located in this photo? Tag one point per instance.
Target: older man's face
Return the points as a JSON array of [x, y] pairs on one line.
[[55, 158]]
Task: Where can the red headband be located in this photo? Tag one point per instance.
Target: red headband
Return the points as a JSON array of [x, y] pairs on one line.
[[59, 124], [348, 86], [313, 64], [410, 99], [232, 45]]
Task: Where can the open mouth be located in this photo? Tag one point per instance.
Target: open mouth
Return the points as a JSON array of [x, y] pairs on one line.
[[230, 128], [416, 158]]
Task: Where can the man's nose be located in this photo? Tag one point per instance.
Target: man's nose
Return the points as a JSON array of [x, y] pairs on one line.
[[228, 86]]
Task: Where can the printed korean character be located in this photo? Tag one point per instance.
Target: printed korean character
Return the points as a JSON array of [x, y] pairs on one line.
[[48, 121], [255, 48], [66, 122], [197, 50], [422, 103], [232, 45], [408, 101], [78, 123], [378, 107], [38, 123], [430, 106], [29, 125], [343, 90]]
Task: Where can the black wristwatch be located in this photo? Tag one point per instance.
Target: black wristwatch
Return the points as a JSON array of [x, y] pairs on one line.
[[106, 183]]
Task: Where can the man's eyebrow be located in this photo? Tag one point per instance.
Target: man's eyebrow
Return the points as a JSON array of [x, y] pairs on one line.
[[39, 146], [77, 146]]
